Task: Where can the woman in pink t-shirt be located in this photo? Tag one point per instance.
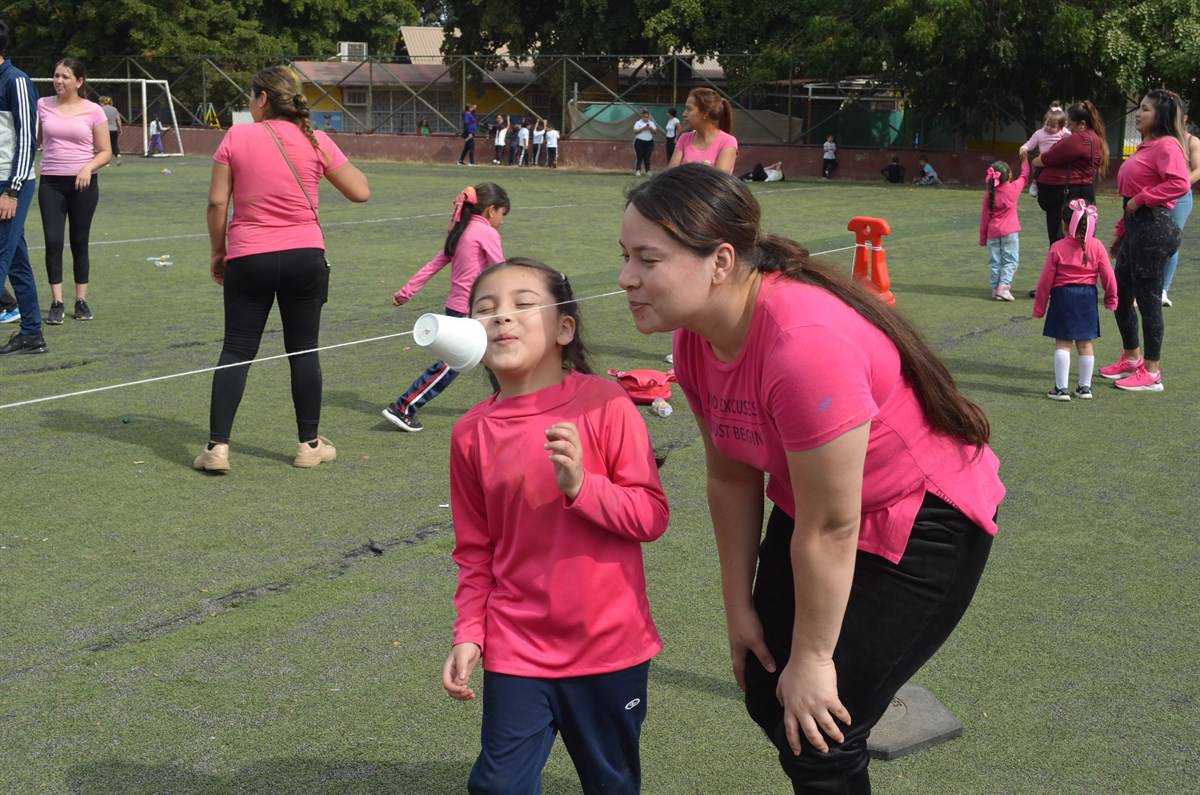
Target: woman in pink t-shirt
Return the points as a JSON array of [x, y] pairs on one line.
[[884, 487], [709, 139], [73, 133], [273, 248]]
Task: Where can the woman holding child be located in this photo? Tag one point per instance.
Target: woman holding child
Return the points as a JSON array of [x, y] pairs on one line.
[[884, 488]]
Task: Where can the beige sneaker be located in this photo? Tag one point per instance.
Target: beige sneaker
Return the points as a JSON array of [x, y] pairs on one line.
[[307, 456], [214, 460]]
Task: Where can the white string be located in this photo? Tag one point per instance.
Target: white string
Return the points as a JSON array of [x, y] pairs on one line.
[[261, 359], [214, 368]]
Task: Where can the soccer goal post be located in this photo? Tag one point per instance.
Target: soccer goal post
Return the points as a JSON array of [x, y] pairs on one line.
[[145, 101]]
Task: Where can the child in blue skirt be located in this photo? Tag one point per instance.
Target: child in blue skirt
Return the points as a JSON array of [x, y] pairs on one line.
[[1068, 284]]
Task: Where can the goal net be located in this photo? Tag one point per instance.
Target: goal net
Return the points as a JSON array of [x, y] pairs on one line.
[[141, 102]]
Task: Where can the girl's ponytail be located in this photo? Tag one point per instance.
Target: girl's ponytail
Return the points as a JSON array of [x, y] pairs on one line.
[[997, 175], [725, 120], [469, 203]]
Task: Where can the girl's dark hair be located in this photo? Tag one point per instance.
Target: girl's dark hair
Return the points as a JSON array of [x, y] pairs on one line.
[[1002, 167], [79, 70], [575, 354], [1086, 112], [701, 207], [1168, 116], [285, 98], [487, 194], [713, 107]]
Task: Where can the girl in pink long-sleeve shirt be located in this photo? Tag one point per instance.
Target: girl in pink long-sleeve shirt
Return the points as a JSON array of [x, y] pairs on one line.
[[554, 489], [1068, 284], [472, 244], [999, 226]]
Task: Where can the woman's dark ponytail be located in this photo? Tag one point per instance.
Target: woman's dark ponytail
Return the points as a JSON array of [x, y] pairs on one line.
[[487, 194]]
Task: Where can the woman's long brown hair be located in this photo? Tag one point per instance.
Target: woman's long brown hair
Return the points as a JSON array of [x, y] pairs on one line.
[[701, 207]]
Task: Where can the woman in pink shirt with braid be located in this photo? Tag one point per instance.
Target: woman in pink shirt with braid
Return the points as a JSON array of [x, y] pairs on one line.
[[472, 244], [884, 488], [554, 489], [709, 140], [1150, 182]]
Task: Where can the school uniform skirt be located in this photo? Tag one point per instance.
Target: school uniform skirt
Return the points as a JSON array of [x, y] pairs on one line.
[[1072, 314]]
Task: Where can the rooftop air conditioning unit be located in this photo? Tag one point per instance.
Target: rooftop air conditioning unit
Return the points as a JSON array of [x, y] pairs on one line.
[[352, 50]]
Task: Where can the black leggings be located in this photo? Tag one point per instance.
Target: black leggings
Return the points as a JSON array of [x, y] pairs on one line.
[[468, 150], [57, 201], [642, 150], [300, 279], [1151, 237], [1052, 199], [897, 616]]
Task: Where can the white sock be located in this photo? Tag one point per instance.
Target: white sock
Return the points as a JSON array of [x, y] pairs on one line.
[[1062, 367], [1086, 364]]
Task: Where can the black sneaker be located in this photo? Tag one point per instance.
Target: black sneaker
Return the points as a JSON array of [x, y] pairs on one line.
[[82, 310], [1058, 394], [1083, 392], [405, 422], [24, 343], [56, 314]]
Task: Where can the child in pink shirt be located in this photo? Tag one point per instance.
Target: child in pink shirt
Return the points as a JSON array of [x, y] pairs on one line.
[[551, 590], [1068, 284], [999, 225], [1053, 130], [472, 244]]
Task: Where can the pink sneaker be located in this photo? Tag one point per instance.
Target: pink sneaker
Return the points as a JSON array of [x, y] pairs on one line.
[[1122, 368], [1141, 381], [1004, 294]]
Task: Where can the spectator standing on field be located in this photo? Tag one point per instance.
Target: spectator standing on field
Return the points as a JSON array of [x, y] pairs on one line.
[[828, 157], [115, 123]]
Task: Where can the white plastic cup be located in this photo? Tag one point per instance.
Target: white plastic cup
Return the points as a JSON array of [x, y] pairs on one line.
[[458, 341]]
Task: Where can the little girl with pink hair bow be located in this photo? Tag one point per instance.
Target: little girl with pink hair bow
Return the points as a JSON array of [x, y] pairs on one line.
[[999, 225]]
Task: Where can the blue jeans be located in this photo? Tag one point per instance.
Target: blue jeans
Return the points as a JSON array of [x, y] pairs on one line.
[[14, 261], [1004, 254], [599, 717], [1183, 208]]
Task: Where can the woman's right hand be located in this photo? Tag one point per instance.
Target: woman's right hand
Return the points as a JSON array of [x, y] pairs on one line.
[[746, 634], [456, 673], [216, 267]]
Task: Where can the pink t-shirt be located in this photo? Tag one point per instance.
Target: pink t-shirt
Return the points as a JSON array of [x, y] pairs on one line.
[[708, 155], [68, 141], [547, 587], [810, 370], [1065, 265], [270, 213], [478, 247], [1043, 141]]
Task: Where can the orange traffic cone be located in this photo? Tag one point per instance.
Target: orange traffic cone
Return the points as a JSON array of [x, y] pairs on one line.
[[870, 260]]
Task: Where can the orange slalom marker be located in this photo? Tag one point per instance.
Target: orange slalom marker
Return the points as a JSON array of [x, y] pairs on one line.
[[870, 260]]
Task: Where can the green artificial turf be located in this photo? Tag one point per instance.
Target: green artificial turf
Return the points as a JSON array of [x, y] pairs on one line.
[[167, 631]]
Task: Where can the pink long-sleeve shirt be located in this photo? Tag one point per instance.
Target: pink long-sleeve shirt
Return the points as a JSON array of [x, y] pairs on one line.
[[478, 247], [1044, 141], [1065, 265], [551, 587], [1001, 219], [1155, 175]]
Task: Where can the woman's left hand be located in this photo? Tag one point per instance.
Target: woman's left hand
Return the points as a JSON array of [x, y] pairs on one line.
[[83, 179], [216, 267], [807, 690], [1131, 206], [566, 453]]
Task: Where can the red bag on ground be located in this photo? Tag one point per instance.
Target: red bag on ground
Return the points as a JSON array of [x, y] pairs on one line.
[[645, 386]]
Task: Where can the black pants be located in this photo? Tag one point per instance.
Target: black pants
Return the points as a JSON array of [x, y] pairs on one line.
[[828, 166], [499, 153], [468, 150], [300, 279], [1151, 237], [896, 618], [1052, 199], [670, 149], [642, 150], [58, 201], [114, 140]]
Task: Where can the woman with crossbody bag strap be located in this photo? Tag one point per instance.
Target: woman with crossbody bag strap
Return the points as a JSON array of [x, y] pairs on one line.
[[272, 250]]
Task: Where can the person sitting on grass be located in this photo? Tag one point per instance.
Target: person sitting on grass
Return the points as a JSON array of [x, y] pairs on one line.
[[536, 541], [928, 175], [893, 172]]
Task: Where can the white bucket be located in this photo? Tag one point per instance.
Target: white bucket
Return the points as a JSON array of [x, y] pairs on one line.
[[458, 341]]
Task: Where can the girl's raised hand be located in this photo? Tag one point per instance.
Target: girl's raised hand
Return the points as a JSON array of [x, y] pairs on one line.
[[456, 673], [566, 453]]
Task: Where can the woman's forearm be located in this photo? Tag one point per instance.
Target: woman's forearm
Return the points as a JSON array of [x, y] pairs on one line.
[[218, 220], [737, 513], [822, 570]]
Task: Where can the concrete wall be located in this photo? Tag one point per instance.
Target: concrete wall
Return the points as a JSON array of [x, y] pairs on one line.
[[799, 162]]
